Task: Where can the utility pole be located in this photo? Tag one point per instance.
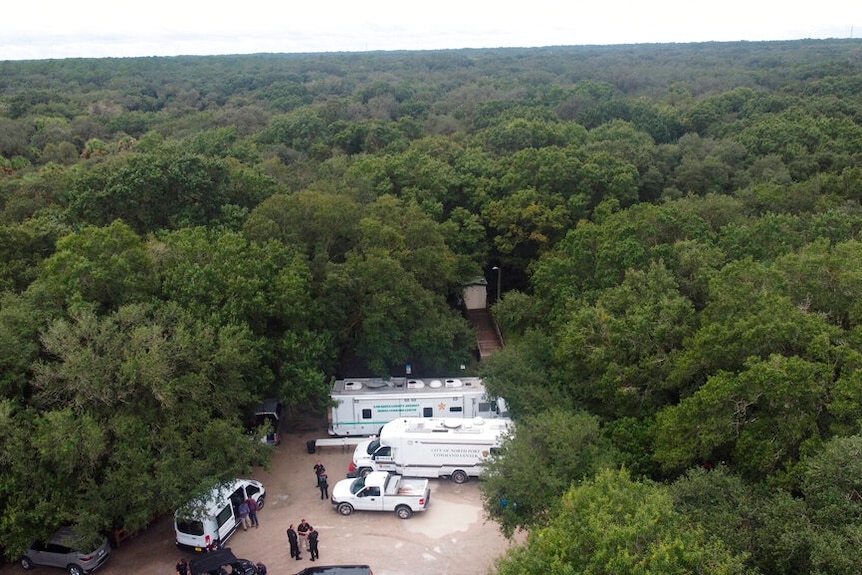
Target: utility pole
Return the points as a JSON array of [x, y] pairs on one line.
[[499, 272]]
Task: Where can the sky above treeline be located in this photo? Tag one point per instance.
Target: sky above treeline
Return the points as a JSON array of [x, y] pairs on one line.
[[50, 29]]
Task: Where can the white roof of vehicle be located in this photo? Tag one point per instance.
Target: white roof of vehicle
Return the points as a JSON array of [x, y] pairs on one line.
[[402, 385], [450, 428], [200, 507]]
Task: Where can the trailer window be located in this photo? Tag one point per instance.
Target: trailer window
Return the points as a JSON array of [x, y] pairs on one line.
[[366, 414], [456, 409], [427, 412], [484, 406]]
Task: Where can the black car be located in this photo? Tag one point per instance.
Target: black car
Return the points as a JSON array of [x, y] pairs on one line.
[[271, 414], [213, 563], [337, 570]]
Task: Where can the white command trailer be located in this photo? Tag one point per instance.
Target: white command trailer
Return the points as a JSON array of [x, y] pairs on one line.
[[436, 447], [362, 406]]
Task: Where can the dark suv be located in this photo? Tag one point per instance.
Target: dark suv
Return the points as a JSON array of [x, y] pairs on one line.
[[63, 550], [269, 413], [214, 563]]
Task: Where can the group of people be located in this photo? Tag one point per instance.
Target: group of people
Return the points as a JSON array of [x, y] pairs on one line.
[[304, 536], [247, 512]]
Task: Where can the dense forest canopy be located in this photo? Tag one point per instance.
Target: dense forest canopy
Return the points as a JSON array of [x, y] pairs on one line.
[[674, 226]]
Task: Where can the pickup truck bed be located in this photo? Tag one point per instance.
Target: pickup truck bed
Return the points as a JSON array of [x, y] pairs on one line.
[[407, 487]]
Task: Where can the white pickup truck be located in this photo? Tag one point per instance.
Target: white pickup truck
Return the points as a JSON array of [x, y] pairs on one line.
[[381, 491]]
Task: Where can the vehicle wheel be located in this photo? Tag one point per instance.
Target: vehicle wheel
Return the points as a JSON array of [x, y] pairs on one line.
[[364, 471], [74, 570], [26, 563], [261, 501], [459, 477], [404, 512], [345, 508]]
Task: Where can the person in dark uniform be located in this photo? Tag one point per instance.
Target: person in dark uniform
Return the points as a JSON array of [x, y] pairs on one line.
[[312, 544], [319, 470], [323, 484], [294, 542]]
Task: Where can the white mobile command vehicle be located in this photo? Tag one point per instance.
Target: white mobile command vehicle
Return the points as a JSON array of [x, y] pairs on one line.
[[209, 521], [362, 406], [434, 447], [381, 491]]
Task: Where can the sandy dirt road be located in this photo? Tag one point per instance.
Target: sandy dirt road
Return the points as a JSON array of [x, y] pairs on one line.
[[452, 538]]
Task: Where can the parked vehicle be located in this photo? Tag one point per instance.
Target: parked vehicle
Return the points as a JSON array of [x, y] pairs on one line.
[[207, 521], [271, 414], [434, 448], [67, 550], [337, 570], [213, 564], [362, 406], [381, 491]]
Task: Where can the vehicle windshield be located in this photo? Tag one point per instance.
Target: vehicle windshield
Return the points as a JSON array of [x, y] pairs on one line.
[[502, 408], [357, 486], [372, 447]]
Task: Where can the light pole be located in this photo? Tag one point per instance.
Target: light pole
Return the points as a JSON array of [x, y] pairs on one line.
[[499, 271]]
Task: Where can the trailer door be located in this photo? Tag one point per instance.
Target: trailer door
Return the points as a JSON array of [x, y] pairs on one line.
[[482, 407], [383, 460]]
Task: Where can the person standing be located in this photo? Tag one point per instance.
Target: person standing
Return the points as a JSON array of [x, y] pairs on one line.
[[323, 484], [312, 544], [252, 512], [243, 514], [294, 543], [261, 569], [182, 567], [303, 530], [319, 470]]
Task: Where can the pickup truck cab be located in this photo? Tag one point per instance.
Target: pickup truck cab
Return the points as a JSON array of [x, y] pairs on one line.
[[381, 491]]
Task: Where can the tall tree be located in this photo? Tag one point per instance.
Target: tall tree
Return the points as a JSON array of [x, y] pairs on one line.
[[222, 277], [618, 352], [612, 525], [756, 419], [108, 266], [538, 462], [129, 411]]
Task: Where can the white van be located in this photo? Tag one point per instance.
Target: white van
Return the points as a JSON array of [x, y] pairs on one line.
[[206, 522], [432, 447]]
